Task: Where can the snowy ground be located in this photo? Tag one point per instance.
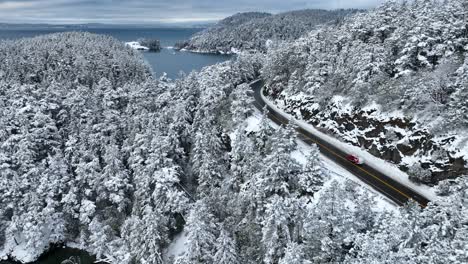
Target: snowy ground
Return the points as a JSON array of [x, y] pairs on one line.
[[383, 166], [20, 251], [177, 247]]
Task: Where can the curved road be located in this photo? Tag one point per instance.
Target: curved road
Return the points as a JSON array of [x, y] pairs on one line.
[[392, 189]]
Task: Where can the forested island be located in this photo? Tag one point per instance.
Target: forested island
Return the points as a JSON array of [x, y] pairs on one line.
[[153, 45], [255, 30], [97, 154]]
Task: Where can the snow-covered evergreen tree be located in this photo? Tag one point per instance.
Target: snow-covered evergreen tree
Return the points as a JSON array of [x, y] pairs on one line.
[[202, 233], [225, 250], [314, 174], [294, 254]]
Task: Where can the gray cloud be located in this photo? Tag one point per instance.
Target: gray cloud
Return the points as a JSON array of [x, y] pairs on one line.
[[153, 11]]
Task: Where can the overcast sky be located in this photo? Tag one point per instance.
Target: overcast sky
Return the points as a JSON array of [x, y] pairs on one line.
[[152, 11]]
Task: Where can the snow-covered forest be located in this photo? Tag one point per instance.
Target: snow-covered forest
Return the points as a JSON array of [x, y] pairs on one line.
[[254, 30], [96, 153], [393, 81]]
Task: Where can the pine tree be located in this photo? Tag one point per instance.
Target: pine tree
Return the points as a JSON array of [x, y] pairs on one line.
[[279, 167], [201, 228], [262, 136], [146, 236], [275, 229], [313, 175], [294, 255], [208, 159], [225, 250], [331, 224], [241, 156], [99, 238], [241, 103], [115, 178], [167, 194]]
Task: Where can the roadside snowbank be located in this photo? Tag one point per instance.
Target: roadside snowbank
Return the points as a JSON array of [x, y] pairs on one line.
[[376, 163], [339, 174]]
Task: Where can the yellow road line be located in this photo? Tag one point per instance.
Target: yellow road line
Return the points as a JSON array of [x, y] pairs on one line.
[[341, 157]]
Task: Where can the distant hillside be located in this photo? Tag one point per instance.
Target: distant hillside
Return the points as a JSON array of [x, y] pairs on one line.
[[251, 31], [239, 19]]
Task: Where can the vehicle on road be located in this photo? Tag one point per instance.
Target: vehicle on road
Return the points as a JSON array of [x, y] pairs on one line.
[[355, 159]]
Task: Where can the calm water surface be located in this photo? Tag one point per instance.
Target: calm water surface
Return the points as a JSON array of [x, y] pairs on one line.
[[168, 61]]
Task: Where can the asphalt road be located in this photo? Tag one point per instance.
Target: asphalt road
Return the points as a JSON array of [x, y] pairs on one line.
[[382, 183]]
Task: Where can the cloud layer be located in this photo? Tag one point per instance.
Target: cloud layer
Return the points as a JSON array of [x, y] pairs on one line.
[[152, 11]]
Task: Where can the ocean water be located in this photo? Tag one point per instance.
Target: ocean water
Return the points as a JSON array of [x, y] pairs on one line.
[[167, 61]]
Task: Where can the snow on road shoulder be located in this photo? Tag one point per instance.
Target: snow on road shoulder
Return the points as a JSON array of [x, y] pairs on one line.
[[385, 167], [339, 173], [336, 171]]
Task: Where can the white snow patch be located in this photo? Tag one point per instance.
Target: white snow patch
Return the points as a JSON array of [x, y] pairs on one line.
[[460, 146], [20, 252], [252, 124], [177, 247], [341, 103], [235, 51], [23, 254], [410, 160], [372, 106]]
